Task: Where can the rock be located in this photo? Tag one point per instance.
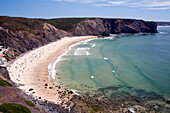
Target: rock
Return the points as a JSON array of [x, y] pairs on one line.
[[167, 101], [100, 26], [4, 72], [45, 101]]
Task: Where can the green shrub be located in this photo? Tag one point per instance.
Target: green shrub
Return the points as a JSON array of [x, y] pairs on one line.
[[4, 83], [13, 108], [29, 103]]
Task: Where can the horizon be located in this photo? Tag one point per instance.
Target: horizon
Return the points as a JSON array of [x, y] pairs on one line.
[[78, 17], [148, 10]]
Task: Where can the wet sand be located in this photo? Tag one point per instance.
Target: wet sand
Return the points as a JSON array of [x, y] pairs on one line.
[[30, 70]]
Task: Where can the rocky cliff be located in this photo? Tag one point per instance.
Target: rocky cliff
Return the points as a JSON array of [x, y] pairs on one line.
[[23, 34], [103, 26]]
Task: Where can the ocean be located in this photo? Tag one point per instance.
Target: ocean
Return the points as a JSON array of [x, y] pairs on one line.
[[120, 66]]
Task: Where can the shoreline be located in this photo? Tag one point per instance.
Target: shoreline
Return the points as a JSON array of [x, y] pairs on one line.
[[30, 70], [52, 65]]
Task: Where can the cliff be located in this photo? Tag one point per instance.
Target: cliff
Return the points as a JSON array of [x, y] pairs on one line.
[[102, 26], [23, 34]]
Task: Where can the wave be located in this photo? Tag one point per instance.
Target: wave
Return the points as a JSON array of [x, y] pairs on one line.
[[163, 33], [75, 92], [87, 53], [86, 41], [92, 76], [93, 45], [91, 73], [105, 58], [112, 67], [51, 67], [82, 51]]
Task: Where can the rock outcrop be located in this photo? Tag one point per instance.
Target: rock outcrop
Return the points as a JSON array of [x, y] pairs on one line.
[[113, 26], [4, 73]]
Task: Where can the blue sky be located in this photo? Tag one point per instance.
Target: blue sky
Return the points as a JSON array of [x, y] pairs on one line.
[[156, 10]]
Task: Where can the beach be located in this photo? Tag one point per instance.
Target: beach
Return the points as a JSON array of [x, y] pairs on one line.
[[30, 70]]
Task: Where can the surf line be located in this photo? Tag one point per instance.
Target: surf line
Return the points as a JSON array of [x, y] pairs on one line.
[[111, 65], [52, 66], [91, 73]]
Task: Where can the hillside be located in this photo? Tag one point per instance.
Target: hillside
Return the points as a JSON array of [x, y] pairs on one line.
[[24, 34], [102, 26]]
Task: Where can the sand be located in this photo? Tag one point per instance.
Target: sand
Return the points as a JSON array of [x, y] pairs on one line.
[[30, 70]]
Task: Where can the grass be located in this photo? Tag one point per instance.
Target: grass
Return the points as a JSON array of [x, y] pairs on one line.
[[16, 24], [13, 108], [65, 23], [29, 103], [4, 83]]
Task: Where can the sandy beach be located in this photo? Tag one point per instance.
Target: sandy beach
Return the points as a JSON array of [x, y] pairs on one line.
[[30, 70]]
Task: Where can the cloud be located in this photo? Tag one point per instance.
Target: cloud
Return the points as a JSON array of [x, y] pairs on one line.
[[111, 3], [102, 5], [151, 3], [145, 4], [117, 2]]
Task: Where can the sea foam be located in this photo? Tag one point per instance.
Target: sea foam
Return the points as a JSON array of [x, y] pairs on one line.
[[93, 45], [92, 76], [105, 58], [81, 51], [51, 67]]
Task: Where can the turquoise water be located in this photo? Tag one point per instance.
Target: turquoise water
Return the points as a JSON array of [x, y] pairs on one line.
[[129, 63]]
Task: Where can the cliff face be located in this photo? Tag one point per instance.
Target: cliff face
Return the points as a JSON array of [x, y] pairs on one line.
[[113, 26], [23, 34]]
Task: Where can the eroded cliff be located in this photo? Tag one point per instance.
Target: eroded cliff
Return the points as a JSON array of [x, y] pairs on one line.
[[23, 34], [103, 26]]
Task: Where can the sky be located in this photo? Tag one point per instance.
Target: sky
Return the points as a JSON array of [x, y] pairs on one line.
[[152, 10]]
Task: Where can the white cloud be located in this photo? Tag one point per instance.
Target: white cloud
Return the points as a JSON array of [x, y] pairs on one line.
[[117, 2], [146, 4], [111, 3], [102, 5], [151, 3]]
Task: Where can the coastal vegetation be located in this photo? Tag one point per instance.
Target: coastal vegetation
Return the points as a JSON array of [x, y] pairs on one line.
[[4, 83], [13, 108], [29, 103], [65, 24], [20, 24]]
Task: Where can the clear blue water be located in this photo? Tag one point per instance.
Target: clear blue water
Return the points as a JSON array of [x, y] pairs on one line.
[[129, 63]]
